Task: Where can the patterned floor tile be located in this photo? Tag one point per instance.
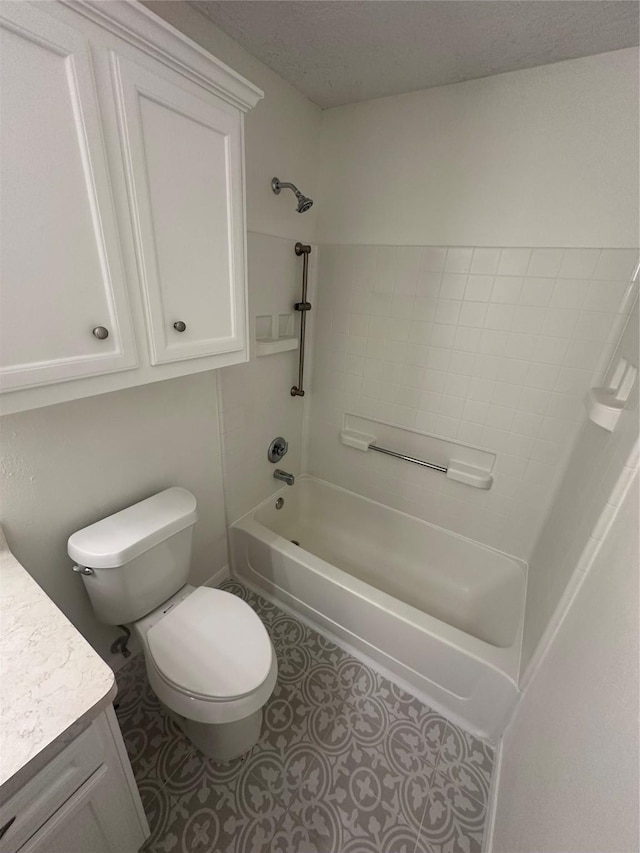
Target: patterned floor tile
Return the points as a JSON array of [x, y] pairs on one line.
[[285, 718], [313, 828], [421, 730], [268, 775], [332, 681], [467, 761], [453, 821], [347, 762], [299, 650], [199, 824], [334, 726], [355, 810], [365, 784], [419, 740]]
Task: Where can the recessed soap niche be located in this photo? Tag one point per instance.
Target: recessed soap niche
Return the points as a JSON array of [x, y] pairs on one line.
[[275, 333]]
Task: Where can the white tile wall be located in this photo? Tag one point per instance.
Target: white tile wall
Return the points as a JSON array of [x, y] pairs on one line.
[[491, 347], [255, 398]]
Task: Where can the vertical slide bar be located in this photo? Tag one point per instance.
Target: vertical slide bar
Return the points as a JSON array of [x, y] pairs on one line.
[[303, 307]]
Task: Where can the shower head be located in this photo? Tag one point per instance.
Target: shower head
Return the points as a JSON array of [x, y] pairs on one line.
[[304, 203]]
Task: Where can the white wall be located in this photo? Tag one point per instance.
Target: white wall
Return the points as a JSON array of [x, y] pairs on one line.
[[542, 157], [569, 770], [69, 465], [587, 493], [492, 348]]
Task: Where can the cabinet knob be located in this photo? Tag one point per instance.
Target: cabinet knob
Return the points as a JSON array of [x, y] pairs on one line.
[[179, 326], [101, 333]]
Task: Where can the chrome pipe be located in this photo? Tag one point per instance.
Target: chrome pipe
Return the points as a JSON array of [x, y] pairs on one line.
[[303, 306], [415, 461]]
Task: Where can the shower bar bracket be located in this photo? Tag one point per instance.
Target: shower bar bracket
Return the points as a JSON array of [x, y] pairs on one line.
[[461, 472], [303, 307]]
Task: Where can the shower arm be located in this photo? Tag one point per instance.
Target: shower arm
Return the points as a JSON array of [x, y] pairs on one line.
[[303, 306], [287, 186]]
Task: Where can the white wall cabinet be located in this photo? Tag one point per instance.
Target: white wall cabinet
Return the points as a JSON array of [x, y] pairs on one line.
[[61, 274], [187, 262], [83, 801], [122, 203]]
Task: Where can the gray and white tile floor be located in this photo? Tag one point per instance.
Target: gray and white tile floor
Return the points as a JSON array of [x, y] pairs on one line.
[[347, 763]]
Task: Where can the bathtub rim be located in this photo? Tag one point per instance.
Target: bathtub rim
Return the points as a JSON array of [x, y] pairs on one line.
[[505, 660]]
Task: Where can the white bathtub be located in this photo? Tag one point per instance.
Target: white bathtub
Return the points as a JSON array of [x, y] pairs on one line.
[[438, 612]]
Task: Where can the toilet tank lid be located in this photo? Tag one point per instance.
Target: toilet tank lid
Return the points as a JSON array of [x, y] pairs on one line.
[[121, 537]]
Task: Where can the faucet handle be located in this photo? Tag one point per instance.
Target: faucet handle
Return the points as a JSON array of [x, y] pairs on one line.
[[277, 449]]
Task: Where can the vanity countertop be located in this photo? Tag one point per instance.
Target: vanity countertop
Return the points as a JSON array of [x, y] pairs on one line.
[[50, 677]]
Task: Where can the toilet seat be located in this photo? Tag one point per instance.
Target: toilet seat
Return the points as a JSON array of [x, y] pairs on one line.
[[183, 652], [211, 645]]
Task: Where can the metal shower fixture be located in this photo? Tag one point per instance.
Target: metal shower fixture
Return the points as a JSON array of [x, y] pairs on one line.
[[304, 202]]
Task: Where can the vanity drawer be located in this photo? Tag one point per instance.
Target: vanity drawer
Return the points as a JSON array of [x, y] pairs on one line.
[[31, 806]]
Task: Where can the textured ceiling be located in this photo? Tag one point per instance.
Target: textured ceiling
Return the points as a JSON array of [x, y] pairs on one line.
[[343, 51]]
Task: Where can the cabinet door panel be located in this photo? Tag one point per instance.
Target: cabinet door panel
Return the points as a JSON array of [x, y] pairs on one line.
[[93, 820], [36, 801], [185, 188], [61, 273]]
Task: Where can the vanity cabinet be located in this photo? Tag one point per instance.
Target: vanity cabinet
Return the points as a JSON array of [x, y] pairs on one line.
[[122, 210], [84, 800]]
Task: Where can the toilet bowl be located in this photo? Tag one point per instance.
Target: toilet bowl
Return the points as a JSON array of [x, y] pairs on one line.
[[208, 656], [210, 662]]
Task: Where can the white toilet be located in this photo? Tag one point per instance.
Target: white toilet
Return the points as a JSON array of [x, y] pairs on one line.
[[209, 658]]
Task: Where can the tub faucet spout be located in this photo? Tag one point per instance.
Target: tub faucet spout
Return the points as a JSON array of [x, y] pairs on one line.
[[279, 474]]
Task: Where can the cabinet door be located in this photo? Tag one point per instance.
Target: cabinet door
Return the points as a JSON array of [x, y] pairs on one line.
[[184, 171], [93, 820], [61, 273], [31, 806]]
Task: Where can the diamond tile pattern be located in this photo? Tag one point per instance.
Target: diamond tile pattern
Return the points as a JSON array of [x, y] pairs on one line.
[[347, 762]]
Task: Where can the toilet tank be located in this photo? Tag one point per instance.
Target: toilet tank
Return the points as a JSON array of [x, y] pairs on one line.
[[138, 557]]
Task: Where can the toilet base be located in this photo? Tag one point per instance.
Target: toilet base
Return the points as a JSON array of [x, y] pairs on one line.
[[221, 742]]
